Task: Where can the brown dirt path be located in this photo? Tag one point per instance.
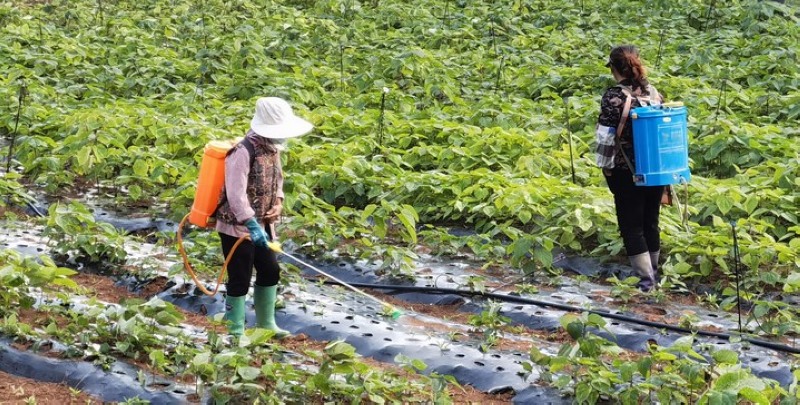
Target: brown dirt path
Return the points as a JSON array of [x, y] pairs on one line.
[[20, 390]]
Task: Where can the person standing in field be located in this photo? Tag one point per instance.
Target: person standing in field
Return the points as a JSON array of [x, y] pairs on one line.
[[637, 207], [251, 201]]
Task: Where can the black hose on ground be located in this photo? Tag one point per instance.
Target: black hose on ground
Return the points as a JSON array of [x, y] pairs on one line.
[[569, 308]]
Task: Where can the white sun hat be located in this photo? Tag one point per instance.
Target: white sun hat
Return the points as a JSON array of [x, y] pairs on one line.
[[275, 119]]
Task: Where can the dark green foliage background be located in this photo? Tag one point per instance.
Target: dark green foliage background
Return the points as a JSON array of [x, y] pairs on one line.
[[125, 94]]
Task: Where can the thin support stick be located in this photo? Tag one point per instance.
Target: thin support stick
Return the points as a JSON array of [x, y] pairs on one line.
[[341, 67], [736, 261], [569, 138], [708, 14], [494, 41], [499, 74], [380, 119], [446, 11], [660, 47], [721, 98], [20, 98]]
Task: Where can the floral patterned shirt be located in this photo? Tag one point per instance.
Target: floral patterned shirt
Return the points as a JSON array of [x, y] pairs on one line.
[[611, 106]]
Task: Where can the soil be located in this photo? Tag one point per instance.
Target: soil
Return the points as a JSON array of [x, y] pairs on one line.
[[20, 390]]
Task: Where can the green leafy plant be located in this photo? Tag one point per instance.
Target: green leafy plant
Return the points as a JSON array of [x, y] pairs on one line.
[[490, 322], [624, 290], [593, 369], [74, 232]]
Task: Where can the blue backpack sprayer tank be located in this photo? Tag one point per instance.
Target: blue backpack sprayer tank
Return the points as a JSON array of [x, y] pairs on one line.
[[660, 145]]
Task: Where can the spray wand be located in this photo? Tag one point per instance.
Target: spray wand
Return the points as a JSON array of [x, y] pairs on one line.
[[393, 311]]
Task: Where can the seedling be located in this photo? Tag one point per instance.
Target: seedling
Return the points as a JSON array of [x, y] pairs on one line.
[[624, 290]]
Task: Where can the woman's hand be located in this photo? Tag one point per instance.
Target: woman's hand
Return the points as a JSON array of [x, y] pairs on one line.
[[275, 212]]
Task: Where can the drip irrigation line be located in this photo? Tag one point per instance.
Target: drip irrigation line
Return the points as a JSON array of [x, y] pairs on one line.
[[34, 208], [570, 308]]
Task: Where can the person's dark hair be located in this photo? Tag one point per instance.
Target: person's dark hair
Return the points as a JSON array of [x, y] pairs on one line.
[[625, 60]]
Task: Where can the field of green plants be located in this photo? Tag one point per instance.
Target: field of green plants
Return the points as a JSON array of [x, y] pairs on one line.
[[430, 116]]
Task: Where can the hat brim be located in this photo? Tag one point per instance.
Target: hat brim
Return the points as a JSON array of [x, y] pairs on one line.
[[290, 128]]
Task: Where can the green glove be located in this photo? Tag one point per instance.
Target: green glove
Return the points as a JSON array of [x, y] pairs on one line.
[[257, 233]]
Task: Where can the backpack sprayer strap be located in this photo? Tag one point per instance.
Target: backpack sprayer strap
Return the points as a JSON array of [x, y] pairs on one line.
[[250, 150], [621, 127], [626, 110]]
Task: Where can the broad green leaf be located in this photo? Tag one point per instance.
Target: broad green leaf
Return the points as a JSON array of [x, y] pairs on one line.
[[725, 356], [724, 203], [140, 168], [248, 373]]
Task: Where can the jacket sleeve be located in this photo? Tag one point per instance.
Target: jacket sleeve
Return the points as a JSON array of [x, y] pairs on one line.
[[611, 107], [237, 169], [279, 175]]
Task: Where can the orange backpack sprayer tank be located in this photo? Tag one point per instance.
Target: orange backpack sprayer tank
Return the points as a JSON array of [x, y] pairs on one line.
[[209, 183], [209, 187]]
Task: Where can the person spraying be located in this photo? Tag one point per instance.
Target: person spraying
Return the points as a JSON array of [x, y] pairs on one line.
[[250, 202]]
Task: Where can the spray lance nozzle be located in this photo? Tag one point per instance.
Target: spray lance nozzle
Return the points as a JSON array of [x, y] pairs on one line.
[[392, 312]]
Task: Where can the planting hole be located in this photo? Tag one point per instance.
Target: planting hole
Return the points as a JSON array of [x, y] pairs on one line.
[[354, 327], [387, 339], [460, 355], [335, 322], [479, 363], [366, 334], [498, 368]]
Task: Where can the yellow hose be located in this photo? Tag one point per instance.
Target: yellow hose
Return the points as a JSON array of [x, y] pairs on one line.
[[190, 270]]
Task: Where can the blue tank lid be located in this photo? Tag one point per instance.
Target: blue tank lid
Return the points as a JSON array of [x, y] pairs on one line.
[[657, 111]]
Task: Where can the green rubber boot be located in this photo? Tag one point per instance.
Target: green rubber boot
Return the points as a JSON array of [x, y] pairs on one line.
[[264, 300], [234, 314]]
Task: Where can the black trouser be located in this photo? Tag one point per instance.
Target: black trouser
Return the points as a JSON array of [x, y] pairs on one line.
[[637, 212], [240, 268]]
